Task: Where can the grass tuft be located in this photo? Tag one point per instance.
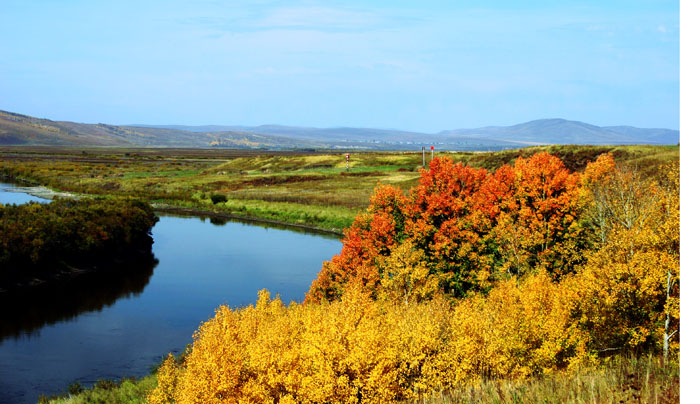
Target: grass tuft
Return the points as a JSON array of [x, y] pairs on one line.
[[617, 380]]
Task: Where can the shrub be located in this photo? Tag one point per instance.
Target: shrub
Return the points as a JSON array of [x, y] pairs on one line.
[[217, 198], [37, 240]]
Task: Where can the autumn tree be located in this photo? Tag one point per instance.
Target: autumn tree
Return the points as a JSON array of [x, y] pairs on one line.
[[537, 225], [469, 226], [628, 290], [406, 277], [445, 222], [373, 234]]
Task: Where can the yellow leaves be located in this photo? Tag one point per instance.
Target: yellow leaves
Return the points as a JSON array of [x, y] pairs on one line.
[[626, 286], [599, 171], [517, 330], [164, 393], [358, 349], [406, 277]]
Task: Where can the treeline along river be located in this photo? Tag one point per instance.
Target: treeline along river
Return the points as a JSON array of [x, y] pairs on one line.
[[113, 325]]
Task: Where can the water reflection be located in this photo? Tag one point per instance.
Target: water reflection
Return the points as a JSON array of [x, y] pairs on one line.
[[27, 310], [222, 221]]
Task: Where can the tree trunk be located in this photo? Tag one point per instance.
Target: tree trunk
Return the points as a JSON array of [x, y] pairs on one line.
[[667, 323]]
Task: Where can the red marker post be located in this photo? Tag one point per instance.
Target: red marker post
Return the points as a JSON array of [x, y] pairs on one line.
[[431, 152], [347, 162]]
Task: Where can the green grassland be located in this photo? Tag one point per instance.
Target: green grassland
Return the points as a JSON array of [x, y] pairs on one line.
[[308, 189]]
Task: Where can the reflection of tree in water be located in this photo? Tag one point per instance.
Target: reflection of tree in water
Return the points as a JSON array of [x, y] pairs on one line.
[[24, 312], [217, 221], [221, 221]]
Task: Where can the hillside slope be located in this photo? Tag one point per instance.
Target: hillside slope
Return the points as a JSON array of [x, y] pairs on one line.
[[18, 129]]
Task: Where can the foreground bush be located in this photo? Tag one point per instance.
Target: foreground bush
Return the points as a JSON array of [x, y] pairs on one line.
[[358, 349]]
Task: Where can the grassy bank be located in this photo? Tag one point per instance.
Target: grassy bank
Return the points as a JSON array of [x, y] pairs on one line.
[[313, 189], [619, 379], [128, 391]]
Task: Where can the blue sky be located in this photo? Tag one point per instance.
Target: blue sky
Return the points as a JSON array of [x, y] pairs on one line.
[[413, 65]]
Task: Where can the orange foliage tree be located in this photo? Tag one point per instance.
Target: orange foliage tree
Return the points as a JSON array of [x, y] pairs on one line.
[[445, 221], [373, 234], [470, 227], [537, 226]]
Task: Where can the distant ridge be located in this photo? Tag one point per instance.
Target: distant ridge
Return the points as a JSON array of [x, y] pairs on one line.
[[18, 129], [562, 131]]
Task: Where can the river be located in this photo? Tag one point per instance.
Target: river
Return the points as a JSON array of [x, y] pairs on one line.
[[120, 326]]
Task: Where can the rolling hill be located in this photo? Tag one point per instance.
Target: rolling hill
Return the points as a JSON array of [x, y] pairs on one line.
[[18, 129], [562, 131]]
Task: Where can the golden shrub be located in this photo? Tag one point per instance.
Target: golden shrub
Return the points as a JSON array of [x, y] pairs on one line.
[[517, 330], [164, 393], [358, 349]]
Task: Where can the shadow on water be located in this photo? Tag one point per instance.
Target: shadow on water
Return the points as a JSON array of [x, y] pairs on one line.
[[24, 312], [222, 220]]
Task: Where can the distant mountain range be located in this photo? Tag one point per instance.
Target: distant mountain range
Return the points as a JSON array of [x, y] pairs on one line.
[[561, 131], [18, 129]]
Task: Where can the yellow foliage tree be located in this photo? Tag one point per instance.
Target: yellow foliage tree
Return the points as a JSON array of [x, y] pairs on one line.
[[518, 330], [360, 349], [406, 277], [627, 293]]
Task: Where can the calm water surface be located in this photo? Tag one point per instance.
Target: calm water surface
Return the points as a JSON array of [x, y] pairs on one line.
[[110, 327], [9, 195]]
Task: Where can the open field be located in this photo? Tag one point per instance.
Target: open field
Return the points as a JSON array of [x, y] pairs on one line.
[[310, 189]]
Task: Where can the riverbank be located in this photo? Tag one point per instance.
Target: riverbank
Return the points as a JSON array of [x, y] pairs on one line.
[[43, 192], [191, 212]]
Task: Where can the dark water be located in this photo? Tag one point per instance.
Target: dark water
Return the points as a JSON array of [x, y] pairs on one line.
[[119, 325]]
